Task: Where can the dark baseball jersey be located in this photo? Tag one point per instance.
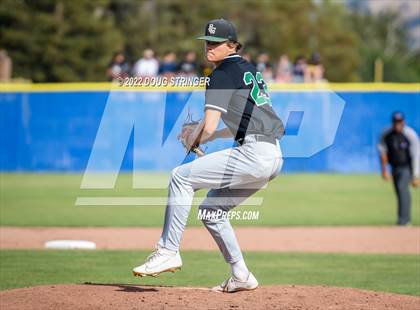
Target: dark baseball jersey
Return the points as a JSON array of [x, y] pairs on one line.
[[237, 90]]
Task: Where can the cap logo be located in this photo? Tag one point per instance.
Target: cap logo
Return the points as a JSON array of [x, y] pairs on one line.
[[212, 29]]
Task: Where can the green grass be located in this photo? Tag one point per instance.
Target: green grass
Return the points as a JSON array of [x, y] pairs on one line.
[[391, 273], [289, 200]]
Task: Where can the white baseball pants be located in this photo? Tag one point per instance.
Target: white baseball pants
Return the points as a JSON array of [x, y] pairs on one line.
[[232, 175]]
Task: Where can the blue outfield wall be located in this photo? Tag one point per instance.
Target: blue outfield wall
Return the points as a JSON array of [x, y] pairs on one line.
[[56, 130]]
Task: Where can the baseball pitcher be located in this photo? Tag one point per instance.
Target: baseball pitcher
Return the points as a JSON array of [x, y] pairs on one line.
[[237, 94]]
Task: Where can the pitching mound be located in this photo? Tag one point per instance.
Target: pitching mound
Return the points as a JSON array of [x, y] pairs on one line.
[[121, 296]]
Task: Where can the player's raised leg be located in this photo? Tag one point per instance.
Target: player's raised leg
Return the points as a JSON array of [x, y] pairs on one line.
[[205, 172], [236, 167]]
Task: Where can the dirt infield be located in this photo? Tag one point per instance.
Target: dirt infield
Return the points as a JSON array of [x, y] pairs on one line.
[[125, 296], [120, 296], [399, 240]]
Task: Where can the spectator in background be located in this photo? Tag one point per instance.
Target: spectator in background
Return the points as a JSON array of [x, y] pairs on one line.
[[399, 146], [207, 68], [5, 67], [299, 68], [147, 66], [188, 66], [284, 70], [168, 66], [262, 62], [118, 67], [263, 65], [314, 71], [247, 57]]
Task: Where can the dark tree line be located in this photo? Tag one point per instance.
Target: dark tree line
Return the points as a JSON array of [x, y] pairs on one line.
[[74, 40]]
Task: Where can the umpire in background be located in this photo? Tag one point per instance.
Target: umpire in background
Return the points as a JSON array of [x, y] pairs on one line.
[[399, 146]]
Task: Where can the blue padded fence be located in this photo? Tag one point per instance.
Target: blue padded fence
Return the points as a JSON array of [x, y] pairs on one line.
[[56, 130]]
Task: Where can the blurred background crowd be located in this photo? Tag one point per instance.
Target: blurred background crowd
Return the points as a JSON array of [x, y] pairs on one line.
[[168, 65], [296, 41]]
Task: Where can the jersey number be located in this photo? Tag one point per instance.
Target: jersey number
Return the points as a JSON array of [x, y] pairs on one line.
[[260, 96]]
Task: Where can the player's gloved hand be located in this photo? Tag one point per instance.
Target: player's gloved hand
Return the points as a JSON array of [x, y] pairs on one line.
[[385, 175], [415, 182], [187, 137], [185, 133], [189, 141]]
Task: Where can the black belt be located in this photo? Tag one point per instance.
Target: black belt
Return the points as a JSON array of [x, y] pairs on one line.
[[257, 138]]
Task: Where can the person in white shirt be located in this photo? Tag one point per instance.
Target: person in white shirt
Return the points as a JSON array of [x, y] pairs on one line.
[[148, 66]]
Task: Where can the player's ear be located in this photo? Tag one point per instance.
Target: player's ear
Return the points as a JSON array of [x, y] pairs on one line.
[[237, 46], [230, 44]]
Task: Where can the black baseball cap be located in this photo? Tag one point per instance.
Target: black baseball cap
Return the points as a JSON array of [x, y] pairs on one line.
[[219, 30], [397, 117]]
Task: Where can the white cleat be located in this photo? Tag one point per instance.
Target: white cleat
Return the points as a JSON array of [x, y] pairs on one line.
[[232, 285], [161, 260]]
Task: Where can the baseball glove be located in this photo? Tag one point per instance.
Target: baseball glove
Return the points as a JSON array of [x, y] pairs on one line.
[[188, 127]]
